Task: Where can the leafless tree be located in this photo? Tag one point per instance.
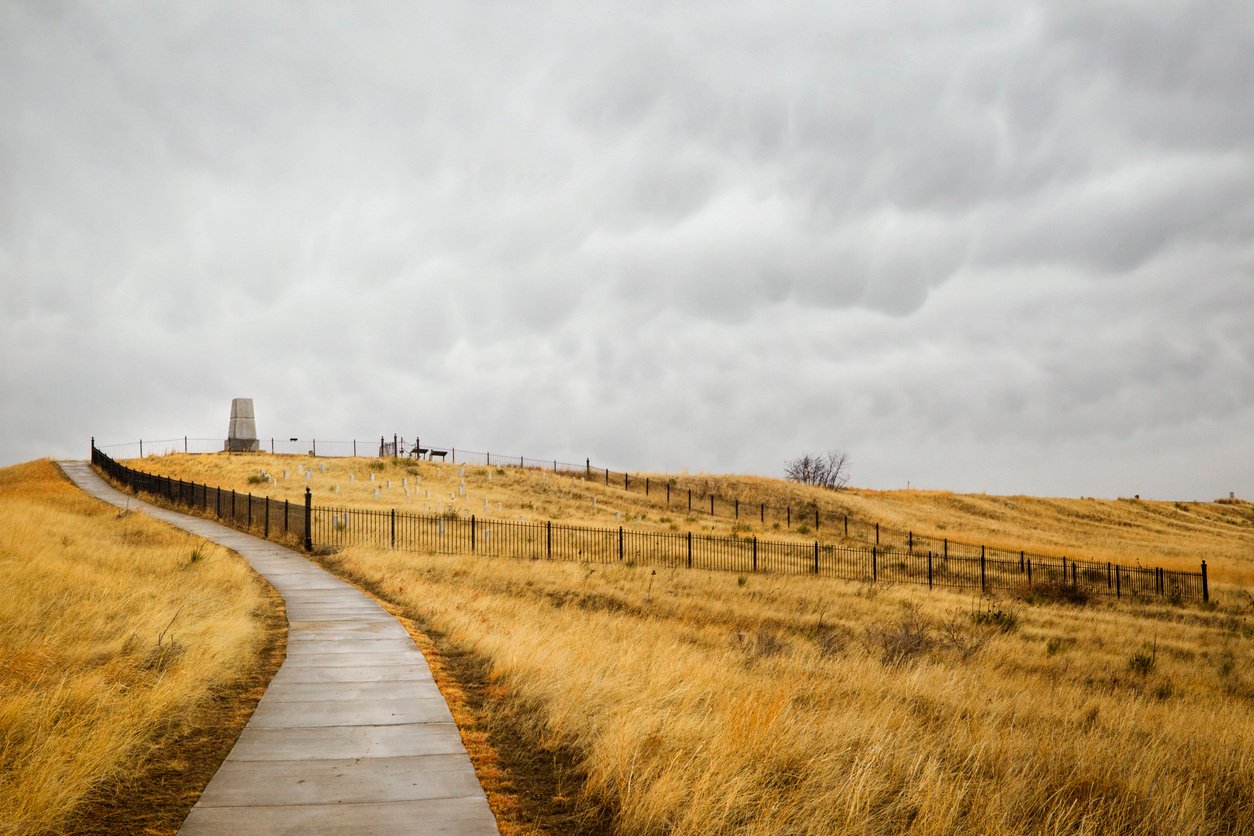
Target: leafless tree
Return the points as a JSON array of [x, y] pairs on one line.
[[830, 471]]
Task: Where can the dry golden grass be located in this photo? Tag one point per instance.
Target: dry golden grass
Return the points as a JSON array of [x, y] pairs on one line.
[[697, 702], [700, 703], [116, 634], [1168, 534]]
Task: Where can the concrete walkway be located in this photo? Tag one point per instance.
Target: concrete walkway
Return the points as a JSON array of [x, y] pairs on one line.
[[352, 735]]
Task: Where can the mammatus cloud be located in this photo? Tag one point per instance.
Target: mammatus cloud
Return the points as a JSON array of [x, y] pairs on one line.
[[987, 248]]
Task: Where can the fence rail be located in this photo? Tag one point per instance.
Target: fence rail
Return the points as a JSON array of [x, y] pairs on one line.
[[454, 534]]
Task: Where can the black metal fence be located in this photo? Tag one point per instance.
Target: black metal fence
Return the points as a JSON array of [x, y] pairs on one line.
[[450, 533], [692, 495], [271, 518]]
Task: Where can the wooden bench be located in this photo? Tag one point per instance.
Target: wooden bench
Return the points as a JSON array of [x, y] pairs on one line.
[[440, 453]]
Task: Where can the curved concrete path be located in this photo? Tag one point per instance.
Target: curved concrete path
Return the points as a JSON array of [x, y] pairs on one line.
[[352, 735]]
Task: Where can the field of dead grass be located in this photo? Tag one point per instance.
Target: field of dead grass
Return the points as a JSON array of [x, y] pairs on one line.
[[128, 651], [1174, 535], [698, 702], [695, 702]]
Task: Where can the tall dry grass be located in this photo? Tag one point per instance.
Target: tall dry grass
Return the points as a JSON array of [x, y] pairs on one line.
[[710, 703], [705, 703], [1176, 535], [114, 630]]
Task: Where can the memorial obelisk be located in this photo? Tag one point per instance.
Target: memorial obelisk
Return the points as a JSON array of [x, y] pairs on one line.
[[242, 436]]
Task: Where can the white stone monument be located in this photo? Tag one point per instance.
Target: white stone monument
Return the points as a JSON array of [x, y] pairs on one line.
[[242, 435]]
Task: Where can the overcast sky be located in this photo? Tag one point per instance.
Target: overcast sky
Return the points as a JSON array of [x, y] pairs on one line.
[[1002, 247]]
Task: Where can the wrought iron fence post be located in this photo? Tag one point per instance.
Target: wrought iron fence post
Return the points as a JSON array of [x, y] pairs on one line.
[[1205, 585], [473, 526], [393, 528], [308, 520], [689, 549], [875, 564]]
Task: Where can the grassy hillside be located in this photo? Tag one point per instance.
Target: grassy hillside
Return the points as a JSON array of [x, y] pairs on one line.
[[1169, 534], [680, 701], [129, 653], [629, 699]]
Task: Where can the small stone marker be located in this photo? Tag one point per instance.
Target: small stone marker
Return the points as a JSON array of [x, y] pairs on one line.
[[404, 482], [352, 477], [284, 474], [462, 488], [371, 477], [389, 483], [463, 473], [618, 516], [335, 489], [376, 493], [322, 467]]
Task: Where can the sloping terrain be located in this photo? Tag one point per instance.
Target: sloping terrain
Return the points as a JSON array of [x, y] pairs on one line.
[[1174, 535], [130, 656]]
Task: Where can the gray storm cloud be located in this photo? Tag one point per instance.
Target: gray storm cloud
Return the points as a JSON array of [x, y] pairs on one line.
[[981, 247]]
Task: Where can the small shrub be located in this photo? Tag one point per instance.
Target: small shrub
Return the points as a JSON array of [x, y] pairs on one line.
[[957, 634], [741, 580], [1007, 621], [829, 639], [902, 641], [1143, 662], [378, 464], [1057, 592], [803, 529], [258, 479]]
